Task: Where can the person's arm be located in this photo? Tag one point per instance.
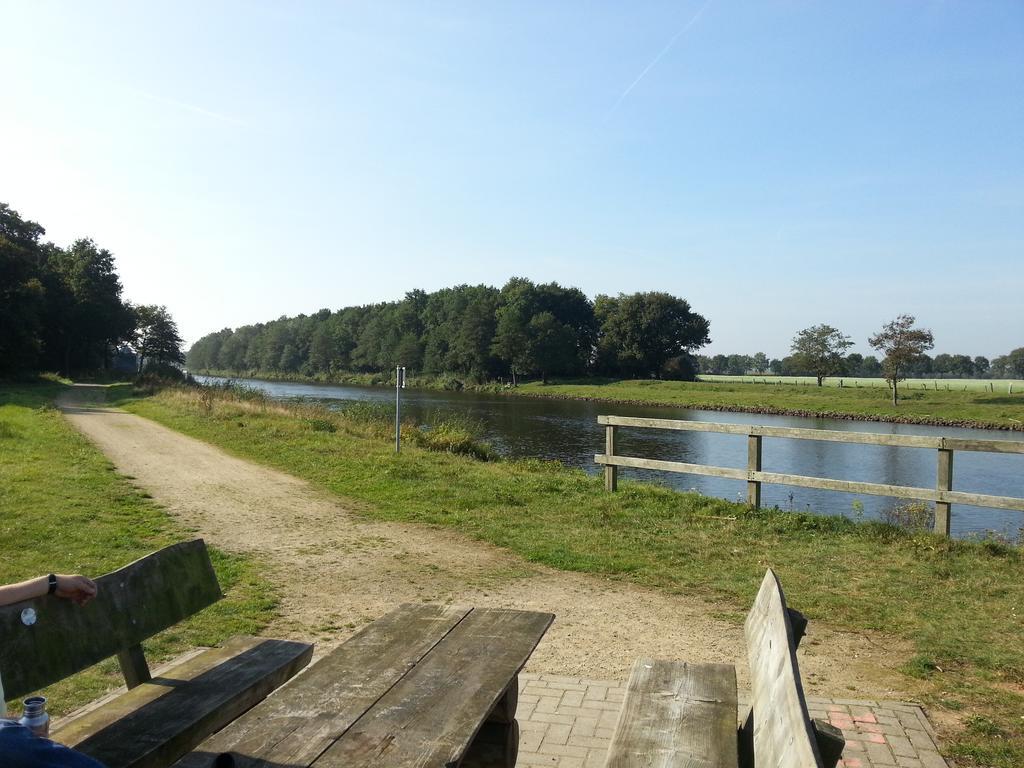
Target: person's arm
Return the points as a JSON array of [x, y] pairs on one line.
[[77, 588]]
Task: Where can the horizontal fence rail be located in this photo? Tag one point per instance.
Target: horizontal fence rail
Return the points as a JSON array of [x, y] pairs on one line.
[[943, 494]]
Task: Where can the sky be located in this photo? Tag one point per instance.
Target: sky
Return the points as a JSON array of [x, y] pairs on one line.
[[778, 163]]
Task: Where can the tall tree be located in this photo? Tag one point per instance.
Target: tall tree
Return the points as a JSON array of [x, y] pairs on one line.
[[22, 295], [156, 336], [99, 318], [902, 344], [820, 350], [640, 332], [1013, 363]]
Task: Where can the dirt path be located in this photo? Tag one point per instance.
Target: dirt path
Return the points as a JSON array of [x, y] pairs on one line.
[[338, 570]]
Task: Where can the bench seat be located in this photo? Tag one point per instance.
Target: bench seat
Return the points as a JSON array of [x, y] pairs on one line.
[[156, 722], [159, 719], [677, 714]]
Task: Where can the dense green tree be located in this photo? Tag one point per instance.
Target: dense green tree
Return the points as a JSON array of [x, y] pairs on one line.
[[820, 350], [99, 319], [1013, 364], [22, 294], [518, 304], [870, 368], [981, 366], [157, 339], [902, 344], [640, 332], [738, 365]]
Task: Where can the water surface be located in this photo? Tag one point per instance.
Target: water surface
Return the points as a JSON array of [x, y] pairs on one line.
[[567, 431]]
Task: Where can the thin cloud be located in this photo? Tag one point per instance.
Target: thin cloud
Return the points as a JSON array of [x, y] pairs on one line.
[[189, 107], [656, 59]]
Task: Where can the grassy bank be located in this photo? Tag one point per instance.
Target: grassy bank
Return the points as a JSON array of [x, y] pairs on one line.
[[958, 603], [920, 401], [64, 509], [917, 406]]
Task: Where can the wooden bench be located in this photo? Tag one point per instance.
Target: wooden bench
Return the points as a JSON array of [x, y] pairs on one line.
[[677, 714], [158, 719], [426, 686]]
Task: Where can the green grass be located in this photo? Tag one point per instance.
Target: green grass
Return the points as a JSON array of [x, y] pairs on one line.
[[959, 604], [997, 410], [64, 509]]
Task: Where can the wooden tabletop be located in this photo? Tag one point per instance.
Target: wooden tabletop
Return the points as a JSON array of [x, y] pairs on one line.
[[412, 688]]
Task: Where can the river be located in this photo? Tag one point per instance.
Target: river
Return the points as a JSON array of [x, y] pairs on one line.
[[567, 431]]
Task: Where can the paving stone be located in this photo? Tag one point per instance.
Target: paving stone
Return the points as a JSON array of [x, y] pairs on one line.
[[557, 734], [568, 722], [584, 727], [572, 699], [931, 759], [901, 746]]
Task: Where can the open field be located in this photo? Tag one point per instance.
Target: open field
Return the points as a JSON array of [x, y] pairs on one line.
[[954, 606], [1008, 386], [63, 509], [953, 408]]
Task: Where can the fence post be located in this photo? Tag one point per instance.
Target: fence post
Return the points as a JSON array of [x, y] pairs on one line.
[[611, 477], [754, 465], [944, 483]]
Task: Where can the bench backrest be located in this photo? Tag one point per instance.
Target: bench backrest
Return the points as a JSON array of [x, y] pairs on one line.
[[132, 604], [783, 734]]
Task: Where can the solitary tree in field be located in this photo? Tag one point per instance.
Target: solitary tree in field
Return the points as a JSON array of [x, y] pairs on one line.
[[820, 349], [902, 343]]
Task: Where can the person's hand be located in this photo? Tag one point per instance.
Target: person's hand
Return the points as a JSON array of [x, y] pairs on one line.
[[76, 588]]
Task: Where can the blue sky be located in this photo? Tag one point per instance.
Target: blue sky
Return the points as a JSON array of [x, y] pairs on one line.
[[778, 164]]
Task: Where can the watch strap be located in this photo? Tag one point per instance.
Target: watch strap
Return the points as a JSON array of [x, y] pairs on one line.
[[51, 580]]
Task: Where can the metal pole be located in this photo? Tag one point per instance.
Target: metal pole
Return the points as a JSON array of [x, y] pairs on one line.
[[398, 409]]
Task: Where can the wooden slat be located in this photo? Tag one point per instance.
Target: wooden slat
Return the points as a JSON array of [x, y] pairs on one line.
[[987, 446], [899, 491], [432, 715], [132, 604], [805, 481], [295, 726], [156, 722], [672, 466], [981, 500], [783, 737], [828, 435], [677, 715]]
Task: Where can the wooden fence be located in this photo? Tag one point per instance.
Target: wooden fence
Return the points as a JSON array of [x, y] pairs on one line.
[[943, 494]]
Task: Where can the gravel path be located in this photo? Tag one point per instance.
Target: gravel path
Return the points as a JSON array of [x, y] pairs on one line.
[[338, 570]]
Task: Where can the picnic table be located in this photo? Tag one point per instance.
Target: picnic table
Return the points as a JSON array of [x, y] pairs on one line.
[[425, 685]]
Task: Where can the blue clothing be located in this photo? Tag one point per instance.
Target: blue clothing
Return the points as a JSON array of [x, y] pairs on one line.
[[20, 749]]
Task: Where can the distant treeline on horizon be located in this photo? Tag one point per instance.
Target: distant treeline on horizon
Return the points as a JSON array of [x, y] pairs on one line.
[[522, 330], [477, 331], [941, 366]]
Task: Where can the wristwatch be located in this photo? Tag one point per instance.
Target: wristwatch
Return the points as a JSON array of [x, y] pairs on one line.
[[51, 580]]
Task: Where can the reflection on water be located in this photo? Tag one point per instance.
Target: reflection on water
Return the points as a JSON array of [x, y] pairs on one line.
[[567, 431]]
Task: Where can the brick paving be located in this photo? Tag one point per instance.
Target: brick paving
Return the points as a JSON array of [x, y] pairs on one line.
[[567, 722]]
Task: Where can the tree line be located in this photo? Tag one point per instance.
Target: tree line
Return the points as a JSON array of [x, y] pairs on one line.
[[476, 331], [61, 309], [941, 366]]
